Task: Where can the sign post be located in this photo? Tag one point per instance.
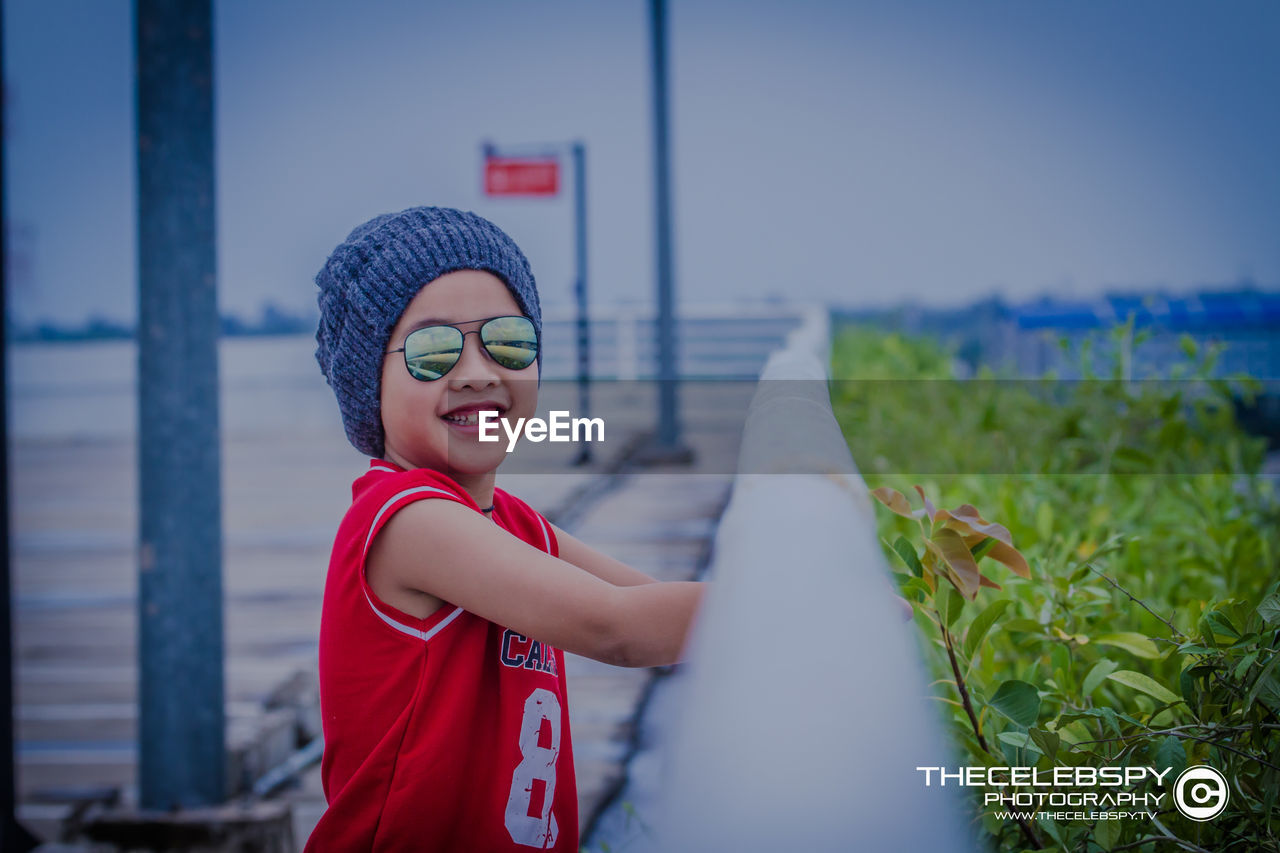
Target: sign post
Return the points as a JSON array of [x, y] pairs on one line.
[[667, 447], [13, 835], [539, 175], [181, 731]]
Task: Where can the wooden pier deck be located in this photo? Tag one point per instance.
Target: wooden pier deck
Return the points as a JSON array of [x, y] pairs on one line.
[[285, 486]]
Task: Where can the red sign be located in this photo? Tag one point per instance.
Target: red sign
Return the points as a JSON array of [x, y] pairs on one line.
[[521, 176]]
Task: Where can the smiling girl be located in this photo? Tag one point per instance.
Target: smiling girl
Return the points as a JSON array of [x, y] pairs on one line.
[[449, 603]]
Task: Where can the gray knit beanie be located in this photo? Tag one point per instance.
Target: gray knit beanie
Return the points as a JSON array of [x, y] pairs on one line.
[[370, 278]]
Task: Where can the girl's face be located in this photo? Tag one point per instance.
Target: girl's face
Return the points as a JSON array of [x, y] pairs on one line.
[[421, 420]]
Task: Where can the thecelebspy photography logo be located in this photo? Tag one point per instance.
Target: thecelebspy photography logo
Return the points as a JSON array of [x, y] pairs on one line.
[[1201, 792], [1088, 793]]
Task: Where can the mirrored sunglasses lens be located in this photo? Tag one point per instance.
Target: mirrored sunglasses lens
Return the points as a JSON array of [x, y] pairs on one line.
[[429, 353], [511, 341]]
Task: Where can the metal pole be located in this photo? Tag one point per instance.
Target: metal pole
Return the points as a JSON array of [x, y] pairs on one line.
[[580, 291], [13, 835], [181, 713], [668, 439]]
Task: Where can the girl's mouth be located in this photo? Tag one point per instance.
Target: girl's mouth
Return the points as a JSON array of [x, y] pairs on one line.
[[469, 419]]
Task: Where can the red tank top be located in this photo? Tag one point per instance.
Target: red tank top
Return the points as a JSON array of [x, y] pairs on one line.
[[444, 733]]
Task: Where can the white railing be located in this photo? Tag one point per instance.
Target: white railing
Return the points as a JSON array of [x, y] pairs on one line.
[[805, 711]]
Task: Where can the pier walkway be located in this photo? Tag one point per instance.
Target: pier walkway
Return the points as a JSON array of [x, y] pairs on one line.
[[286, 482]]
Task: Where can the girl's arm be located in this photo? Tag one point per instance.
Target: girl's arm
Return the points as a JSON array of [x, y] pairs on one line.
[[603, 566], [449, 551]]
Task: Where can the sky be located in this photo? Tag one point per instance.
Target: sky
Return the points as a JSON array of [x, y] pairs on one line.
[[859, 154]]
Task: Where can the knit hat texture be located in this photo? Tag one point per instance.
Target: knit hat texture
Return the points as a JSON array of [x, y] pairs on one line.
[[371, 277]]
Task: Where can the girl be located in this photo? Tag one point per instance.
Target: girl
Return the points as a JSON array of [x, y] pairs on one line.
[[449, 603]]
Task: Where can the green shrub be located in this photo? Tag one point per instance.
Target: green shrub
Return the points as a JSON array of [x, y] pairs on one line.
[[1144, 625]]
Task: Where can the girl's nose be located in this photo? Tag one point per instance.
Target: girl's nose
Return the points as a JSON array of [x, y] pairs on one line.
[[474, 366]]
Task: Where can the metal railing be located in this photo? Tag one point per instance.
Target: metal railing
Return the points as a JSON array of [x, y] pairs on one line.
[[713, 341]]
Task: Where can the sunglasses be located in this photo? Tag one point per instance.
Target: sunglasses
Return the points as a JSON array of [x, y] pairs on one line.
[[432, 351]]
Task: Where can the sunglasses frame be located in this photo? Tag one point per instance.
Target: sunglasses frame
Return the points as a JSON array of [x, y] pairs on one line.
[[537, 340]]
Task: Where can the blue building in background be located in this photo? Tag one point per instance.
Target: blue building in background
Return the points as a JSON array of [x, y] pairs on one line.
[[1245, 323]]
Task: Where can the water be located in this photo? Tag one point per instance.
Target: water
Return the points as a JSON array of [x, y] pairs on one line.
[[87, 390]]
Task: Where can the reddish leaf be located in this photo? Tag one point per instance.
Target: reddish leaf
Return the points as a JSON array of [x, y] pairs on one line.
[[950, 547], [1011, 557], [966, 525], [894, 500], [929, 510]]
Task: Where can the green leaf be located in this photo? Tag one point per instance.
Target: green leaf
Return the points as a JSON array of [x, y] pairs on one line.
[[1144, 684], [1245, 663], [979, 550], [1263, 678], [1269, 609], [1060, 660], [1187, 685], [1221, 624], [1018, 701], [1068, 718], [1019, 739], [1169, 753], [907, 553], [981, 624], [917, 589], [1238, 613], [1248, 641], [1097, 675], [1073, 733], [1110, 716], [1044, 521], [951, 605], [1106, 833], [1054, 831], [1133, 643], [1047, 741], [1206, 632]]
